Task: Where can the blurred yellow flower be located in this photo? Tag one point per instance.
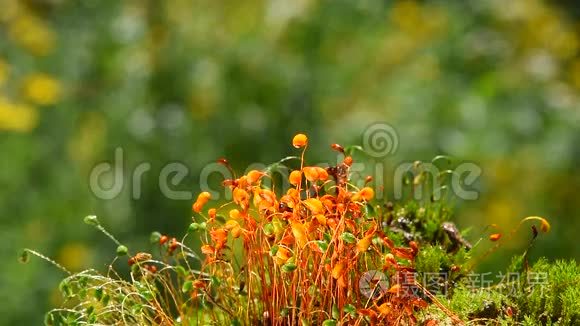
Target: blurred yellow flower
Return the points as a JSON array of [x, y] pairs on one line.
[[4, 70], [575, 73], [17, 117], [421, 22], [406, 15], [503, 212], [75, 256], [10, 9], [32, 34], [42, 89], [89, 139]]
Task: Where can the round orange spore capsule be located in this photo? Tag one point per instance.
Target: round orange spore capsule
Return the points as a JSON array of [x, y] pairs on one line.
[[212, 213], [295, 177], [254, 175], [311, 173], [337, 148], [367, 193], [495, 236], [300, 140], [348, 160]]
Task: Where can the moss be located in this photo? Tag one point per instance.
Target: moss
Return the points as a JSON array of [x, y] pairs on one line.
[[543, 293], [431, 259], [550, 292]]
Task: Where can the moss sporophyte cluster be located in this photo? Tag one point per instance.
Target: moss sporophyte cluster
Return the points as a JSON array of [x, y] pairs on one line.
[[319, 253]]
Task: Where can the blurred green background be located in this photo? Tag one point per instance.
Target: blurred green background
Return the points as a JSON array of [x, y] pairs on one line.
[[492, 82]]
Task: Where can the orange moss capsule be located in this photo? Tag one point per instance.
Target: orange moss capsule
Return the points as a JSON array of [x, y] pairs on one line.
[[385, 308], [327, 268], [292, 192], [173, 244], [321, 219], [337, 148], [235, 213], [322, 174], [332, 223], [198, 284], [314, 205], [267, 199], [300, 140], [197, 207], [241, 197], [202, 199], [254, 175], [287, 240], [495, 236], [414, 247], [163, 239], [243, 182], [310, 173], [337, 270], [300, 234], [390, 260], [212, 213], [509, 311], [288, 201], [363, 244], [207, 249], [230, 183], [219, 238], [342, 281], [388, 242], [545, 226], [236, 232], [139, 257], [282, 255], [230, 224], [395, 289], [218, 235], [257, 199], [329, 205], [295, 177], [204, 196], [151, 268], [367, 193], [348, 160]]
